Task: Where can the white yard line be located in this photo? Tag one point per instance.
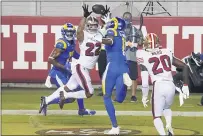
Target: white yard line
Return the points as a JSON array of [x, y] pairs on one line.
[[99, 113]]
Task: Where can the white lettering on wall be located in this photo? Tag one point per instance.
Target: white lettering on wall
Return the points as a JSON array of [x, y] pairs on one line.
[[170, 31], [57, 31], [6, 33], [37, 47], [198, 32]]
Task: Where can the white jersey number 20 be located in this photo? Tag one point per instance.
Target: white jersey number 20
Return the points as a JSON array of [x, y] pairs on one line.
[[163, 60]]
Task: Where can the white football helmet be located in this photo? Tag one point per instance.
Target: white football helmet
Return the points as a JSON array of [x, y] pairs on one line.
[[92, 24]]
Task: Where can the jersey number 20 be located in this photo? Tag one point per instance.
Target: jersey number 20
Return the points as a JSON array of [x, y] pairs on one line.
[[165, 62], [90, 52]]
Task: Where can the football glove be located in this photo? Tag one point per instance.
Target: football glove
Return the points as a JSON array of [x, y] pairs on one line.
[[48, 82], [106, 18], [186, 92], [144, 101], [86, 11], [181, 95], [106, 11]]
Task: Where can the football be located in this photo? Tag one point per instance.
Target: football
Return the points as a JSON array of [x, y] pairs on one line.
[[98, 9]]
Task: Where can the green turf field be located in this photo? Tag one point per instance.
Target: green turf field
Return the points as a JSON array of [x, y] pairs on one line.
[[29, 99]]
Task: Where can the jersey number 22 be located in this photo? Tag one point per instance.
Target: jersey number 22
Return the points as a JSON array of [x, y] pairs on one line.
[[91, 46], [164, 60]]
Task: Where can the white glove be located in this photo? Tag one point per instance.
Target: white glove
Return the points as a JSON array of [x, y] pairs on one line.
[[106, 18], [144, 101], [181, 96], [185, 91], [48, 82]]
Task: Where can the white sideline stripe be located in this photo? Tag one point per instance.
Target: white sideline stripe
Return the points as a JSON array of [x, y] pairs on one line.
[[99, 113]]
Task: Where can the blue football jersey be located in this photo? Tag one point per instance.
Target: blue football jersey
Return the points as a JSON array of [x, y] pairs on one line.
[[116, 51], [68, 51]]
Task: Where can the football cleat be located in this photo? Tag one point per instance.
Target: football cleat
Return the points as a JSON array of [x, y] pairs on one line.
[[43, 106], [113, 131], [61, 99], [86, 112], [169, 131], [133, 99], [126, 79]]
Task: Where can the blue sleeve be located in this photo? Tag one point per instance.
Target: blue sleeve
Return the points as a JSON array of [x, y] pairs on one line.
[[60, 44], [111, 32], [76, 55]]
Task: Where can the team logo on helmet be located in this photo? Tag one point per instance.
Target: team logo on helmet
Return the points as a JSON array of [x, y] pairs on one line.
[[92, 24], [151, 41], [116, 23]]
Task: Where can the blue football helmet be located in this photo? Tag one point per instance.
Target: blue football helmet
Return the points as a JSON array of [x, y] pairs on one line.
[[68, 31], [116, 23]]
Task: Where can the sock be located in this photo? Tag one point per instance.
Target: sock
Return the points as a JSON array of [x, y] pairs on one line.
[[56, 101], [78, 95], [80, 104], [54, 97], [168, 116], [51, 99], [110, 110], [159, 126]]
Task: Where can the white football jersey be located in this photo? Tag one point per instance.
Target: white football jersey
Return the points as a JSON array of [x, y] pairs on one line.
[[90, 49], [158, 63]]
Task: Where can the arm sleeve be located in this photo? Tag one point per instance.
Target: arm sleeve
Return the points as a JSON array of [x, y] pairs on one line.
[[76, 55], [111, 33], [60, 44]]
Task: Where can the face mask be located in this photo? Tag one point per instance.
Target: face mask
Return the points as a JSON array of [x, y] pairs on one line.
[[69, 35]]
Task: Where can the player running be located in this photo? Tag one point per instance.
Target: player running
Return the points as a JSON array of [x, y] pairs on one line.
[[116, 73], [158, 64], [60, 73]]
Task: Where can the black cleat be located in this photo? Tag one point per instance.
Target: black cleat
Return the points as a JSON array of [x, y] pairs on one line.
[[43, 106], [61, 99], [133, 99]]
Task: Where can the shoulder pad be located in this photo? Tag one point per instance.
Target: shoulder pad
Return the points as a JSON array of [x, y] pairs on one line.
[[111, 32], [61, 44]]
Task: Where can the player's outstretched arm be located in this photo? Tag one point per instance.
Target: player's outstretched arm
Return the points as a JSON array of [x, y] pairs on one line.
[[52, 58], [81, 27], [179, 64]]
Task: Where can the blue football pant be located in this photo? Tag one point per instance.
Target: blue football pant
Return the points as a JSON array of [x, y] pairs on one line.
[[113, 77]]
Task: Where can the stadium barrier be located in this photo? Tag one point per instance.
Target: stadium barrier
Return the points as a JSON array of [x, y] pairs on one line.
[[28, 41]]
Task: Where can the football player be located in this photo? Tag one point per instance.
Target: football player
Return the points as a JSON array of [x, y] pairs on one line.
[[90, 44], [158, 63], [116, 73], [60, 72]]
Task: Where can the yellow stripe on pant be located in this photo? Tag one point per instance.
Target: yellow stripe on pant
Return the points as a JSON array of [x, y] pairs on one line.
[[104, 80]]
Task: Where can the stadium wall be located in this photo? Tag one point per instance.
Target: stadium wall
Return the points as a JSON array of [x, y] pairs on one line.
[[27, 42], [73, 7]]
